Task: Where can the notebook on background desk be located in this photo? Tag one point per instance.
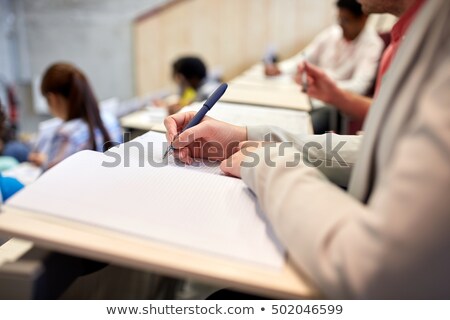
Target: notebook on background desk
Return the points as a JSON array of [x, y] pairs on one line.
[[295, 121], [281, 82], [262, 96], [128, 215]]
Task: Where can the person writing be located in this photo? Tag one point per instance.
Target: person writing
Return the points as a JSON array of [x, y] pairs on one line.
[[387, 235], [348, 52], [322, 87]]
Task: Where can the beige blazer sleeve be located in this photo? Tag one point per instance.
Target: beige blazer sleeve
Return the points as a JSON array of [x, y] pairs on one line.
[[395, 246], [334, 155]]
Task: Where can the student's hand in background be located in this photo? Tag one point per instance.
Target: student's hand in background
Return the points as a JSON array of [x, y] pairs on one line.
[[160, 103], [271, 70], [320, 85], [37, 158], [210, 139], [171, 103]]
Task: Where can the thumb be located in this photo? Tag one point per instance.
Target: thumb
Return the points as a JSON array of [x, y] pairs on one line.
[[313, 71], [301, 68]]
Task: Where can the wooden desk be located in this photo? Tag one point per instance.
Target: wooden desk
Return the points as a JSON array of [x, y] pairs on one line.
[[143, 119], [281, 82], [17, 275], [13, 249], [248, 89], [121, 249], [99, 244], [295, 121]]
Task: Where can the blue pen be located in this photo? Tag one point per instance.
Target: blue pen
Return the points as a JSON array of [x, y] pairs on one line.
[[209, 103]]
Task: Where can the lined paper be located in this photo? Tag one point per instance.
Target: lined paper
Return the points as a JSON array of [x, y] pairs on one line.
[[196, 208]]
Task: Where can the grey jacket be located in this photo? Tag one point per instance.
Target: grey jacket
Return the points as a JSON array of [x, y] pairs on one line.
[[389, 235]]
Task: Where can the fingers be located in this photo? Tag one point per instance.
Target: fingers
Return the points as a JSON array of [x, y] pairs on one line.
[[175, 123], [249, 144], [299, 79], [271, 70], [313, 74], [303, 77], [313, 71], [202, 130], [184, 155], [300, 68], [230, 166], [224, 167]]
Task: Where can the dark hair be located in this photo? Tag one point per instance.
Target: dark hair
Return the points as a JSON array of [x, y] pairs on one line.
[[192, 68], [2, 122], [66, 80], [7, 131], [351, 5]]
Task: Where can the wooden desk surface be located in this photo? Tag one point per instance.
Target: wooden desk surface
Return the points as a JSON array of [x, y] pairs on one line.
[[281, 82], [143, 119], [121, 249], [296, 121], [13, 249]]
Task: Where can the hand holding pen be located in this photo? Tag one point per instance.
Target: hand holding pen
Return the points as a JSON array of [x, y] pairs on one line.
[[209, 103], [316, 83], [301, 74], [208, 139]]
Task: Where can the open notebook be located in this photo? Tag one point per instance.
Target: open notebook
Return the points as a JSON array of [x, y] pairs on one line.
[[194, 207]]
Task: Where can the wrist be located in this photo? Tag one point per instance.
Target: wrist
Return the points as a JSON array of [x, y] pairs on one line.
[[236, 135], [337, 97], [241, 134]]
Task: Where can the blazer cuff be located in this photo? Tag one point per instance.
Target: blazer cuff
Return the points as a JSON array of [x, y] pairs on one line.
[[257, 133]]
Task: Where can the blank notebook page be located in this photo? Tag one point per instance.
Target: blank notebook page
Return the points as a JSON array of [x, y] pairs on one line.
[[194, 207]]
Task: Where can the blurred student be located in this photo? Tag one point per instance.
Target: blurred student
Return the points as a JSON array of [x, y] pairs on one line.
[[387, 236], [8, 186], [12, 151], [191, 76], [70, 98], [349, 52], [322, 87]]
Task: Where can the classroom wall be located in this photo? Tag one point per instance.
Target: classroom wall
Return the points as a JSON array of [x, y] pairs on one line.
[[6, 70], [230, 35], [6, 46], [95, 35]]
